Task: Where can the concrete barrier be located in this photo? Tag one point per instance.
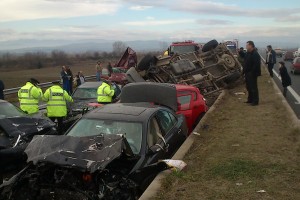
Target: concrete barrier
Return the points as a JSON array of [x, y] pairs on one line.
[[155, 186]]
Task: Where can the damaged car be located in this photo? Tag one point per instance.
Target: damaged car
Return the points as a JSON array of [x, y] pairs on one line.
[[16, 131], [112, 152], [190, 101], [85, 99], [210, 70]]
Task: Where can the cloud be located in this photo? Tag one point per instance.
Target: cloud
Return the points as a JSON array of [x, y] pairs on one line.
[[41, 9], [213, 22], [289, 18], [158, 22], [140, 8]]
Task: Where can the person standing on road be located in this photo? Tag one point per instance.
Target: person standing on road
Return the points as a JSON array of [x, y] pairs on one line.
[[270, 59], [57, 98], [98, 71], [252, 71], [70, 77], [241, 56], [29, 96], [105, 93], [285, 77], [2, 87], [65, 79]]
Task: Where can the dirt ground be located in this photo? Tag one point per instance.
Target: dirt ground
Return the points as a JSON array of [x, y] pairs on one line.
[[243, 152]]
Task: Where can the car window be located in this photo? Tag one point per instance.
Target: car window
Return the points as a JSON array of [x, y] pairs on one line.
[[165, 121], [154, 132], [173, 118], [85, 93], [9, 110], [185, 102], [91, 127]]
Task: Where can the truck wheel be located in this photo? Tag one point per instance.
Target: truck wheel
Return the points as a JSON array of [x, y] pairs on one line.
[[228, 61], [210, 45], [146, 62], [232, 77]]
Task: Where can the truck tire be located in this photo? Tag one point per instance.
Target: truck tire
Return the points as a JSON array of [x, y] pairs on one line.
[[146, 62], [210, 45], [232, 77]]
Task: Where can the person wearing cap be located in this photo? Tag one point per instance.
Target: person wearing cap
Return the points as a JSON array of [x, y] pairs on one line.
[[105, 93], [252, 70], [270, 59], [285, 77], [57, 99], [29, 96]]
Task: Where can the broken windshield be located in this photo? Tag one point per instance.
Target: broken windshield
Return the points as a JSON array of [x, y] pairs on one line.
[[85, 93], [9, 110], [93, 127]]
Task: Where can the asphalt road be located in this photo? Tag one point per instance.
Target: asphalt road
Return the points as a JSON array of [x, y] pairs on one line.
[[293, 95]]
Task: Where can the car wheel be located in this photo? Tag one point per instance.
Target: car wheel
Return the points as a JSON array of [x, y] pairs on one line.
[[210, 45], [146, 62]]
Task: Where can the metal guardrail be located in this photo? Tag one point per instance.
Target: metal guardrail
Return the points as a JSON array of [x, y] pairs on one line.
[[41, 85]]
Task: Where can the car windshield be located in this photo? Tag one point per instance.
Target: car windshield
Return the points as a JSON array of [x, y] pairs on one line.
[[85, 93], [9, 110], [92, 127], [183, 49]]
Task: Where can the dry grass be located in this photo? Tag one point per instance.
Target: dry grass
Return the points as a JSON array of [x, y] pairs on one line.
[[18, 78], [244, 150]]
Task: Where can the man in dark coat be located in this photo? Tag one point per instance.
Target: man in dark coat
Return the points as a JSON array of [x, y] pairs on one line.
[[285, 77], [270, 59], [1, 90], [252, 71]]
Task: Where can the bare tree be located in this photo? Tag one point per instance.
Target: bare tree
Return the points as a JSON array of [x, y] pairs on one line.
[[119, 47]]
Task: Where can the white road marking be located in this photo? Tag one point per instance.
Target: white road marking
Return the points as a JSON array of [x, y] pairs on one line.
[[290, 89]]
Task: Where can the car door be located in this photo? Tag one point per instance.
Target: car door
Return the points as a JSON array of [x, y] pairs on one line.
[[185, 100], [172, 130], [153, 139]]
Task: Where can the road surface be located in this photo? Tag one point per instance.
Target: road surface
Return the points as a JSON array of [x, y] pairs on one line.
[[293, 95]]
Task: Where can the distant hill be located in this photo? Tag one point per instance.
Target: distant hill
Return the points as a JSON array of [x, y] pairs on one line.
[[79, 46]]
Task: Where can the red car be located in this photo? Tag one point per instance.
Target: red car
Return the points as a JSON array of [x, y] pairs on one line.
[[183, 99], [191, 104], [296, 65], [118, 76]]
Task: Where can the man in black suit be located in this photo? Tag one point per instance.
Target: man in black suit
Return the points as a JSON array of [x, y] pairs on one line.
[[252, 71]]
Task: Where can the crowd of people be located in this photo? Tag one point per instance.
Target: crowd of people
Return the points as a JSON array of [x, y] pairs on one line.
[[251, 63]]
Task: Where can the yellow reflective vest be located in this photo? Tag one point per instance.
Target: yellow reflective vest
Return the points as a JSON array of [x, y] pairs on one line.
[[29, 96], [56, 99], [105, 93]]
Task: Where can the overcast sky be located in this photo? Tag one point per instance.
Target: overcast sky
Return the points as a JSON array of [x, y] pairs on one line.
[[146, 20]]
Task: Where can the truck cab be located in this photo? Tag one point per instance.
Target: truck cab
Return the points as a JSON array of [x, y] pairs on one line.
[[183, 47], [191, 104]]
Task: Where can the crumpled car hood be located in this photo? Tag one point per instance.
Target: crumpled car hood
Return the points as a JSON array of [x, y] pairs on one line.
[[85, 153], [16, 126]]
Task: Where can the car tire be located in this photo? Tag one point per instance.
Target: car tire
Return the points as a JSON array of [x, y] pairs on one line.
[[146, 62], [198, 120], [233, 77], [210, 45]]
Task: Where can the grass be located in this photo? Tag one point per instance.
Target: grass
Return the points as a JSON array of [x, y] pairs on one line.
[[241, 150]]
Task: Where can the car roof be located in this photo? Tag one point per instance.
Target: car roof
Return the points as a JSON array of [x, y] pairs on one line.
[[184, 87], [90, 84], [124, 111]]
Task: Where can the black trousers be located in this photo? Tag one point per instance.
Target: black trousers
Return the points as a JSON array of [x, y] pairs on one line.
[[252, 88], [270, 68], [60, 124]]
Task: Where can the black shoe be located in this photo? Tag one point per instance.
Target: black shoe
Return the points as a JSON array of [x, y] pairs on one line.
[[247, 102], [254, 104]]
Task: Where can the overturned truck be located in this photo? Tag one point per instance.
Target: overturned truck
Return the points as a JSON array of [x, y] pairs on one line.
[[209, 70]]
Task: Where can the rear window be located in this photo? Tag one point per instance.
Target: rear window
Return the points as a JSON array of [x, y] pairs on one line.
[[184, 102]]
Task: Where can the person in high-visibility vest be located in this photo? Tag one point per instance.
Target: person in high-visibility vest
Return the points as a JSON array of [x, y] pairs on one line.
[[57, 99], [29, 96], [105, 93]]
